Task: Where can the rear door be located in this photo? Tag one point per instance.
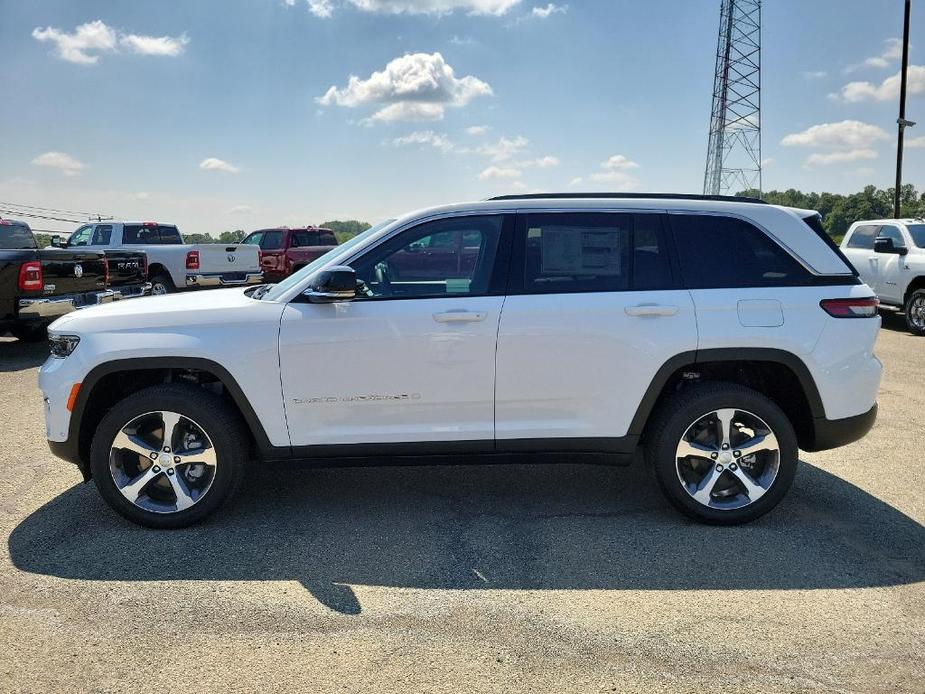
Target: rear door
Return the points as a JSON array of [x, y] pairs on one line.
[[859, 249], [592, 313]]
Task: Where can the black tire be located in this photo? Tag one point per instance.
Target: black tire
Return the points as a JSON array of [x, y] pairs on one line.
[[27, 332], [162, 279], [220, 421], [915, 323], [681, 411]]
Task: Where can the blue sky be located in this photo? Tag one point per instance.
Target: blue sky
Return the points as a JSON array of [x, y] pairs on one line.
[[220, 114]]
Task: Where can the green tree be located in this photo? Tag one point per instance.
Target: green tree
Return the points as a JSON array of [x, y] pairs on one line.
[[345, 230], [235, 236], [199, 238]]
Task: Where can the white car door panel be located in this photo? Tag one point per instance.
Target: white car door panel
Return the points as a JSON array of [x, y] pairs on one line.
[[389, 371], [578, 345]]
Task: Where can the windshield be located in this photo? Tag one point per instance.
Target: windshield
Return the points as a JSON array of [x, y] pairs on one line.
[[15, 236], [918, 234], [277, 290]]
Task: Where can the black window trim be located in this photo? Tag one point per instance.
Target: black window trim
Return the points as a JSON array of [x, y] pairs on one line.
[[518, 281], [500, 273]]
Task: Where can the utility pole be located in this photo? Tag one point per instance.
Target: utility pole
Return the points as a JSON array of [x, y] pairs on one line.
[[901, 121]]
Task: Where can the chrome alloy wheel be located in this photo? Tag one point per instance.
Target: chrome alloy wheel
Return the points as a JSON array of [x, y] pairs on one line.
[[162, 462], [728, 459], [917, 312], [158, 289]]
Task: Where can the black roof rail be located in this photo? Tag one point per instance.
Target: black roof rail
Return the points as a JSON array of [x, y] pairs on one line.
[[629, 196]]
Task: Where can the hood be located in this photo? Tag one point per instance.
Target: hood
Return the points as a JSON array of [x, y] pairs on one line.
[[196, 308]]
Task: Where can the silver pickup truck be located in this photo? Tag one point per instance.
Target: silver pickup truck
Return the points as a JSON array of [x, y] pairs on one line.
[[172, 264]]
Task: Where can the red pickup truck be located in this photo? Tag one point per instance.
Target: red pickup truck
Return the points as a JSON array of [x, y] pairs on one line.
[[284, 250]]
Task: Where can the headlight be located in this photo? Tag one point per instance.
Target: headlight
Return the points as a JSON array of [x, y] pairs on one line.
[[62, 345]]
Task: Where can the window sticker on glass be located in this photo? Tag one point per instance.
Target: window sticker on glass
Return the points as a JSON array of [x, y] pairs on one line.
[[565, 252], [457, 286]]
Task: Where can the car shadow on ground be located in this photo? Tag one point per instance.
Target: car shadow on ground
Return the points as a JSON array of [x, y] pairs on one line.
[[474, 527], [16, 355], [894, 321]]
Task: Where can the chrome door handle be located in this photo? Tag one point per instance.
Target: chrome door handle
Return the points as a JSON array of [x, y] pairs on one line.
[[651, 310], [460, 316]]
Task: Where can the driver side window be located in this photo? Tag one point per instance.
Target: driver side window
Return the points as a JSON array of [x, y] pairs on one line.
[[81, 237], [447, 257]]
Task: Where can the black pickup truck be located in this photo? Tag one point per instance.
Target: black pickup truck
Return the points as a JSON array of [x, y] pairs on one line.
[[37, 286], [128, 269]]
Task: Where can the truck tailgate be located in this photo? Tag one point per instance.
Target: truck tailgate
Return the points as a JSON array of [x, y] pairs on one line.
[[215, 258]]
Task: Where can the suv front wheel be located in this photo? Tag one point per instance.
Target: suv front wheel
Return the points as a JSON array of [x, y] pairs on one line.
[[168, 456], [723, 454]]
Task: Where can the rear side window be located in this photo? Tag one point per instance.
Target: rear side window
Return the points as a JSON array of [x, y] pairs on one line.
[[863, 237], [147, 235], [304, 238], [593, 252], [720, 252], [14, 236]]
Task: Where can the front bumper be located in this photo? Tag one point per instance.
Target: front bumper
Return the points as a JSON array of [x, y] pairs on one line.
[[224, 279], [131, 292], [46, 309], [832, 433]]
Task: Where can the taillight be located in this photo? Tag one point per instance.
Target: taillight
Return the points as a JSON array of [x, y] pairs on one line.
[[851, 308], [259, 257], [106, 272], [145, 260], [192, 260], [30, 276]]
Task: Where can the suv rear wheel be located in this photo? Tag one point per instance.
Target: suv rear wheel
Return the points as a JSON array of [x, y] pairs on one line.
[[168, 456], [723, 454], [915, 312]]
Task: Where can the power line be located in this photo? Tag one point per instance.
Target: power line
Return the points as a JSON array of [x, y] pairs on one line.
[[32, 215], [46, 209]]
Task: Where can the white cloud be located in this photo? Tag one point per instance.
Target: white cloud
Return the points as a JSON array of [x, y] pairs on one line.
[[915, 142], [154, 45], [820, 159], [490, 7], [425, 137], [321, 8], [887, 90], [505, 148], [416, 86], [814, 74], [497, 172], [214, 164], [61, 161], [548, 10], [578, 180], [844, 134], [462, 40], [546, 162], [88, 41], [893, 50], [476, 130], [618, 162], [81, 46]]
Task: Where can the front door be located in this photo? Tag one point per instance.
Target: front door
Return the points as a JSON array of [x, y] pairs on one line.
[[891, 267], [413, 358]]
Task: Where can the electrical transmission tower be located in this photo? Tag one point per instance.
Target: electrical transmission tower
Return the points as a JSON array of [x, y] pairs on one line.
[[734, 152]]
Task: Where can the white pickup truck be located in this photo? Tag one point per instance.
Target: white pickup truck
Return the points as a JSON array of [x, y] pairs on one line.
[[172, 264], [889, 255]]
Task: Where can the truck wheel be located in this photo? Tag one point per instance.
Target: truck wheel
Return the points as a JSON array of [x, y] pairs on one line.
[[915, 312], [723, 454], [169, 455], [162, 284], [30, 333]]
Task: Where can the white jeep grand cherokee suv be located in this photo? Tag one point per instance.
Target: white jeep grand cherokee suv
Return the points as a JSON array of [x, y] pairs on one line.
[[720, 335]]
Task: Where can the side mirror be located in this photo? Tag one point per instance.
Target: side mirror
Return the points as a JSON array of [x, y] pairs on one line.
[[338, 283], [884, 244], [57, 242]]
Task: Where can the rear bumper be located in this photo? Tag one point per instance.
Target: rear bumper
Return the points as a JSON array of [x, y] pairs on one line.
[[46, 309], [131, 292], [832, 433], [229, 279]]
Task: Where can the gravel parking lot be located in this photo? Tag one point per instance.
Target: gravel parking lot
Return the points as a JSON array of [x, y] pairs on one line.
[[464, 578]]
